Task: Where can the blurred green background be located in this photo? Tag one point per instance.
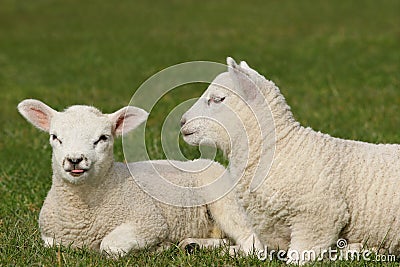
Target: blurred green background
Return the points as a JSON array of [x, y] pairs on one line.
[[336, 62]]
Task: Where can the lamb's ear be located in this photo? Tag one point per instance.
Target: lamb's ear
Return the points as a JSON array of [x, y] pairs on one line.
[[37, 113], [241, 76], [244, 65], [126, 119]]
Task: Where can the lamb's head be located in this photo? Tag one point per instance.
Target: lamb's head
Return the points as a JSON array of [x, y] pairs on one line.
[[81, 137], [225, 112], [203, 123]]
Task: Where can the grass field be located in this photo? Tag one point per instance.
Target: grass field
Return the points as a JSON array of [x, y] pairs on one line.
[[337, 63]]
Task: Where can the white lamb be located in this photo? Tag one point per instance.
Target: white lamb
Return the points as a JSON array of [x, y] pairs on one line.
[[318, 188], [95, 202]]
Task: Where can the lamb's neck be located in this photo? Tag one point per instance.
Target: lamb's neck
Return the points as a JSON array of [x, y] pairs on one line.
[[246, 151], [284, 122], [274, 126]]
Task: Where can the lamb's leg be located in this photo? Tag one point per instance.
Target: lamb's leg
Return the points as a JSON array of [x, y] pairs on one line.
[[232, 219], [305, 246], [121, 240], [302, 256], [190, 244], [315, 227], [311, 238], [125, 238]]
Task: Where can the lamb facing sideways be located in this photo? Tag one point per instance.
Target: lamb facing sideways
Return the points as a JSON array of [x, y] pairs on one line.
[[95, 202], [318, 188]]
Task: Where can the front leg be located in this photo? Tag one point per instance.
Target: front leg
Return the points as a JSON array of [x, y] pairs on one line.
[[313, 235], [233, 220], [123, 239], [190, 244], [305, 246]]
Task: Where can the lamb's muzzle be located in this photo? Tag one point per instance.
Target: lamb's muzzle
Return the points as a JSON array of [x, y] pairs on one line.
[[187, 132], [76, 166]]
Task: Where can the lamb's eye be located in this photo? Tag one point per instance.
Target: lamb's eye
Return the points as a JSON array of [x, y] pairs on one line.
[[216, 99], [102, 138], [55, 138]]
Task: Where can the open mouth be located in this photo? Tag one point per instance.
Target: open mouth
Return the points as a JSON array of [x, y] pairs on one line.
[[77, 172]]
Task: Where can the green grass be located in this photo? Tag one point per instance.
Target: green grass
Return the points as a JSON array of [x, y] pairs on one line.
[[337, 63]]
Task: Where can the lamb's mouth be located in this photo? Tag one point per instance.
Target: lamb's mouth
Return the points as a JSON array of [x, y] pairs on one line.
[[76, 172], [187, 133]]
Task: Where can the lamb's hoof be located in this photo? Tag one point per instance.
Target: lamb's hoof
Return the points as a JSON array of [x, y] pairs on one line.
[[190, 245], [49, 241], [251, 245], [234, 250]]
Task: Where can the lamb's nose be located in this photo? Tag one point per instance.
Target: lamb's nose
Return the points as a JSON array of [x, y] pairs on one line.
[[75, 160], [183, 121]]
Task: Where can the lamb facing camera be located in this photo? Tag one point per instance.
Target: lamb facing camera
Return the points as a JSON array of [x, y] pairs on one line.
[[316, 188], [95, 202]]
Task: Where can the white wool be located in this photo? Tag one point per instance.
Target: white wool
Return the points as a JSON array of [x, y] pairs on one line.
[[95, 202], [318, 188]]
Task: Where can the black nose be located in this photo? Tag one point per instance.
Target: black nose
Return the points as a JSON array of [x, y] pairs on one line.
[[183, 121], [75, 160]]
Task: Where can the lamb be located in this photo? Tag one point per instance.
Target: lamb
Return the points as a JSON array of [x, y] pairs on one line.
[[315, 188], [95, 202]]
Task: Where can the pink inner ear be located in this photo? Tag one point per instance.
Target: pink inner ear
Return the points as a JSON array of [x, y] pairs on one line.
[[119, 124], [41, 118]]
